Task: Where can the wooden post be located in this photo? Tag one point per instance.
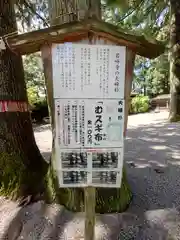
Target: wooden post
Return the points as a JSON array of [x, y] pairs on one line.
[[90, 203]]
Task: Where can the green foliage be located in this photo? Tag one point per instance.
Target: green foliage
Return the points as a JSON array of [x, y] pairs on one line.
[[39, 111], [32, 95], [140, 73], [10, 186], [140, 104], [152, 75], [34, 78], [31, 14], [41, 103], [151, 19], [36, 89], [146, 16], [158, 76]]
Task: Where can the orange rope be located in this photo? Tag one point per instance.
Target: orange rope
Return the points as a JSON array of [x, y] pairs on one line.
[[13, 106]]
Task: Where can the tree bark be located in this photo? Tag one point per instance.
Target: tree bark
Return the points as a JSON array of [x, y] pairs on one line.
[[22, 168], [107, 200], [174, 114]]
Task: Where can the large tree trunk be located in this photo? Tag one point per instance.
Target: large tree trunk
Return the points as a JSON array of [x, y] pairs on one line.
[[22, 168], [107, 200], [174, 114]]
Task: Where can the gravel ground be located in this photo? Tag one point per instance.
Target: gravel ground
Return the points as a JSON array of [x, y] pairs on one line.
[[152, 158]]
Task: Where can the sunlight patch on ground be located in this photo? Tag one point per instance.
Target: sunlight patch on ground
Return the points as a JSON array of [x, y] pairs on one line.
[[175, 163], [157, 163], [143, 165], [171, 128], [148, 139], [142, 159], [160, 147], [176, 155], [171, 134], [139, 165], [129, 138], [166, 218]]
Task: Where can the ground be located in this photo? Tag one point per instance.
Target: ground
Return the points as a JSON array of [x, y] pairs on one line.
[[152, 159]]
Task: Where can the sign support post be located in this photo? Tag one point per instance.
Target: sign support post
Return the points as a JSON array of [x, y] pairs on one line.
[[89, 116], [90, 203]]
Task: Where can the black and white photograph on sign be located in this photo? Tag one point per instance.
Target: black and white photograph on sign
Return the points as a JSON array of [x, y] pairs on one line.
[[104, 178], [105, 160], [74, 159], [88, 71], [89, 123], [74, 177], [90, 167]]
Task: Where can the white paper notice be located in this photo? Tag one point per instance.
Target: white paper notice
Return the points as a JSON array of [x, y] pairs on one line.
[[89, 123], [88, 71]]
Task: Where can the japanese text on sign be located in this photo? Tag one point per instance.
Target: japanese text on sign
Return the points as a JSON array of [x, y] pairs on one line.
[[88, 71], [90, 123], [88, 86]]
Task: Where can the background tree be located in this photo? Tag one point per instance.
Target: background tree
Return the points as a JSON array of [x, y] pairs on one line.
[[156, 71], [34, 78], [140, 82], [157, 76], [175, 61], [151, 18], [22, 168]]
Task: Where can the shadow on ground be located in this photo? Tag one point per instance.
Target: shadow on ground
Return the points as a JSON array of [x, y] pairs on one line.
[[152, 156], [152, 159], [36, 221], [41, 127]]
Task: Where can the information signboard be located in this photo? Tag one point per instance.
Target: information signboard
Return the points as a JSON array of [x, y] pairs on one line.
[[89, 123], [88, 83]]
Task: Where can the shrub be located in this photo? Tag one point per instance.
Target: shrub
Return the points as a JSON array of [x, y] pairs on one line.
[[32, 96], [38, 105], [39, 111], [140, 104]]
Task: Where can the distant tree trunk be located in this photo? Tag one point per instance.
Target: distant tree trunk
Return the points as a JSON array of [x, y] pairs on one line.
[[174, 114], [22, 168], [107, 200]]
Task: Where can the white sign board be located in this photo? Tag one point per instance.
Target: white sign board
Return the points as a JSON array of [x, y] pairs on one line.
[[89, 123], [88, 84], [88, 71]]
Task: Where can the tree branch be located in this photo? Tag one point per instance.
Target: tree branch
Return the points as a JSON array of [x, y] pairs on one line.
[[26, 4], [133, 10]]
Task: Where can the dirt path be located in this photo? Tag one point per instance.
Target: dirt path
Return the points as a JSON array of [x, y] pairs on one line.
[[152, 158]]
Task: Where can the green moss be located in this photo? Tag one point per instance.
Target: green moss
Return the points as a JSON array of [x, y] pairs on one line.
[[125, 194], [114, 200], [175, 118], [71, 198], [11, 172], [17, 179], [51, 189]]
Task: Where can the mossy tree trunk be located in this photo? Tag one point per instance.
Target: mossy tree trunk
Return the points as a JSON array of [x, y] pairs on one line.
[[107, 200], [22, 168], [174, 114]]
